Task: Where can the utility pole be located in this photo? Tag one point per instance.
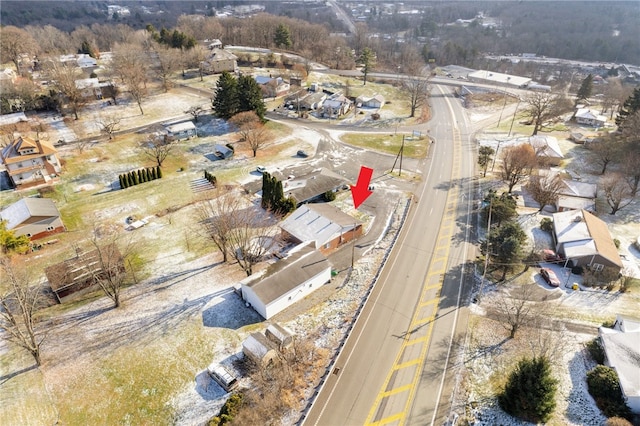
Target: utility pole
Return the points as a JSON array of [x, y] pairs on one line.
[[353, 246], [514, 118], [495, 155], [486, 255]]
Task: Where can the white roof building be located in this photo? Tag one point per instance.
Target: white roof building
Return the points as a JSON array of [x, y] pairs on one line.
[[491, 77]]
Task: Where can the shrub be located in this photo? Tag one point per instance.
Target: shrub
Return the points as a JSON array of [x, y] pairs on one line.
[[159, 172], [228, 411], [329, 196], [546, 224], [530, 391], [577, 270], [604, 387], [616, 242], [596, 351]]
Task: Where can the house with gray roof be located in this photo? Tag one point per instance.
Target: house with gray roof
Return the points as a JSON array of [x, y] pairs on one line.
[[622, 352], [585, 240], [34, 217], [325, 225], [286, 281], [312, 186]]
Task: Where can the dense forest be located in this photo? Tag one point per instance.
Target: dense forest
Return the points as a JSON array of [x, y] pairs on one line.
[[606, 31]]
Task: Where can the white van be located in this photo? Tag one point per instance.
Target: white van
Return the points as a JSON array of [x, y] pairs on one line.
[[223, 377]]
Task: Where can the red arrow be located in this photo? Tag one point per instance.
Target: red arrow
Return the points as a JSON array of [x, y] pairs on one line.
[[360, 191]]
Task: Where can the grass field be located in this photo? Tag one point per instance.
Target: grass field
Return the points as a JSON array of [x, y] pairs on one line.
[[389, 143]]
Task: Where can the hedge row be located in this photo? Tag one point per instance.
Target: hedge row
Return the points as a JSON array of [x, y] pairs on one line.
[[139, 176], [211, 178]]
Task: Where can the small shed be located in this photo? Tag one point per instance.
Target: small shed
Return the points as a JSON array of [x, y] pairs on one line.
[[259, 349], [279, 335], [223, 152], [184, 130]]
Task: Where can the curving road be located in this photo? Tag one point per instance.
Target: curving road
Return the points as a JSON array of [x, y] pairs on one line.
[[392, 367]]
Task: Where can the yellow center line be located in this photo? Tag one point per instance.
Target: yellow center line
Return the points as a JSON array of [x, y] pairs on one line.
[[445, 233]]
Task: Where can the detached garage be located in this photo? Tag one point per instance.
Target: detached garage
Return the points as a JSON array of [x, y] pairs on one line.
[[286, 281]]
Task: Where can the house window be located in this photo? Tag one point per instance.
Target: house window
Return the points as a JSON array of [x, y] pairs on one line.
[[50, 228], [28, 235], [327, 245], [597, 267]]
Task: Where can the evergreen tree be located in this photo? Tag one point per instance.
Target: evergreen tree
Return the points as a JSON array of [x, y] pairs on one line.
[[530, 391], [140, 176], [250, 96], [282, 37], [225, 101], [503, 207], [629, 107], [604, 387], [154, 175], [584, 92], [130, 179], [485, 154], [266, 190], [149, 174], [121, 180], [367, 59], [159, 172], [505, 246], [134, 175]]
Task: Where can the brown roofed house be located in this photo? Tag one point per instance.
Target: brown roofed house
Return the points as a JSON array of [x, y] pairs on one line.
[[30, 162]]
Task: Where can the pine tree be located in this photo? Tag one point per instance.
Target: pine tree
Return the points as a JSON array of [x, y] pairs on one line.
[[130, 179], [282, 37], [141, 176], [584, 92], [629, 107], [266, 190], [134, 174], [367, 59], [154, 175], [250, 96], [530, 391], [121, 181], [225, 102], [159, 172]]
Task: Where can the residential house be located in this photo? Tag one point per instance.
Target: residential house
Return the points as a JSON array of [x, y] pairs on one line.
[[272, 87], [336, 106], [325, 225], [286, 281], [85, 61], [13, 118], [575, 195], [312, 186], [34, 217], [622, 352], [313, 101], [30, 162], [214, 44], [588, 117], [547, 149], [259, 349], [180, 131], [375, 101], [585, 240], [73, 277], [219, 61], [91, 88]]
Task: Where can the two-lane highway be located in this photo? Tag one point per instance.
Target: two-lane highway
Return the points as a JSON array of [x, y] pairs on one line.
[[380, 375]]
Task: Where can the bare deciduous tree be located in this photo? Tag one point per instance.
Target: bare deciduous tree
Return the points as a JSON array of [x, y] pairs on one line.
[[19, 304], [131, 63], [195, 111], [606, 150], [157, 147], [252, 238], [616, 191], [108, 124], [543, 107], [544, 189], [168, 61], [515, 310], [517, 163], [64, 78], [251, 130], [108, 261], [15, 43], [218, 216], [416, 87]]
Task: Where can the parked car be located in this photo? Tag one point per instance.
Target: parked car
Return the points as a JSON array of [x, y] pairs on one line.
[[552, 256], [261, 169], [302, 154], [550, 277]]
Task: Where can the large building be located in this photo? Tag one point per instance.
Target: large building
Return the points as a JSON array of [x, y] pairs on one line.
[[34, 217], [30, 162]]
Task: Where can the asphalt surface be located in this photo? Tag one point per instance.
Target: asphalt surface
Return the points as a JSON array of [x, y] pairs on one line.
[[391, 368]]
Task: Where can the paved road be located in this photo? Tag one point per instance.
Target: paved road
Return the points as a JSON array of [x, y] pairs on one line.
[[380, 375]]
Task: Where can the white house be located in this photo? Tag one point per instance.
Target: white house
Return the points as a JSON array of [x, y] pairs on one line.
[[375, 101], [622, 350], [336, 106], [184, 130], [286, 281], [33, 217], [547, 149], [30, 162], [590, 118]]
